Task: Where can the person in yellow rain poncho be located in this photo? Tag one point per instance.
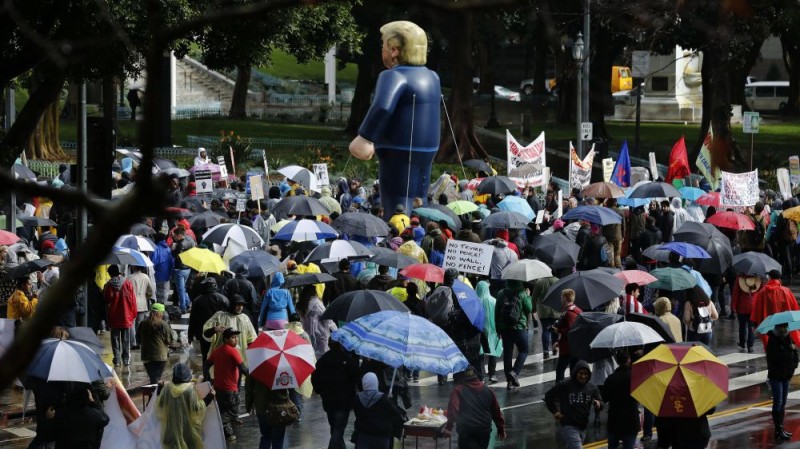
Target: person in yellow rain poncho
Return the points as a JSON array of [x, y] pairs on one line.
[[235, 319], [310, 267], [181, 411], [19, 306]]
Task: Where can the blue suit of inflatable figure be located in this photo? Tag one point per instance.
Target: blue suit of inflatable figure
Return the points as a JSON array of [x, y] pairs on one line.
[[404, 125]]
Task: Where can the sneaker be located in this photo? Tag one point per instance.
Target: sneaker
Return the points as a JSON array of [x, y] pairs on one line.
[[492, 380], [555, 352], [414, 380], [514, 379], [740, 345], [230, 438], [750, 349], [546, 355], [646, 438]]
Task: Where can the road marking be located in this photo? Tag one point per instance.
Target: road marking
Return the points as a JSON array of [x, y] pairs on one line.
[[522, 405]]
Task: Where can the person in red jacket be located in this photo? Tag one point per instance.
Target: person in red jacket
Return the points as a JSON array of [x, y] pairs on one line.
[[471, 410], [773, 298], [568, 317], [742, 295], [121, 300]]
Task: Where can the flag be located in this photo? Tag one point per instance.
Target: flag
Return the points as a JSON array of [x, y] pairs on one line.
[[703, 161], [580, 171], [621, 175], [678, 162]]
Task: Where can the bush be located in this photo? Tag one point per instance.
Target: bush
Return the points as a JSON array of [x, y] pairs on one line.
[[241, 150]]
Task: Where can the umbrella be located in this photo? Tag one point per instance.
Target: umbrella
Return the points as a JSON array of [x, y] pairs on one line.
[[120, 257], [22, 172], [556, 250], [792, 213], [709, 199], [307, 279], [790, 317], [525, 170], [653, 322], [402, 339], [165, 164], [603, 190], [203, 260], [424, 271], [137, 242], [280, 359], [625, 335], [592, 288], [392, 259], [8, 238], [496, 185], [300, 175], [462, 207], [479, 165], [755, 264], [255, 263], [142, 229], [712, 240], [305, 230], [245, 236], [225, 194], [526, 270], [67, 360], [672, 279], [337, 250], [654, 190], [585, 328], [31, 266], [470, 303], [732, 220], [179, 172], [434, 215], [518, 205], [179, 212], [30, 220], [361, 224], [279, 225], [86, 336], [635, 277], [593, 214], [358, 303], [301, 205], [454, 223], [505, 220], [691, 193], [632, 202], [684, 249], [141, 259], [207, 219], [679, 381], [654, 253]]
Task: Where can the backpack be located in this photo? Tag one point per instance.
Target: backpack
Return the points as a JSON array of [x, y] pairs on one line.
[[606, 254], [701, 320], [509, 308], [759, 232]]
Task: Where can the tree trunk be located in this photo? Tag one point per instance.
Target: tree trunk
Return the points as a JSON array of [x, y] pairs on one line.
[[791, 59], [541, 50], [365, 83], [44, 142], [239, 99], [600, 80], [460, 32]]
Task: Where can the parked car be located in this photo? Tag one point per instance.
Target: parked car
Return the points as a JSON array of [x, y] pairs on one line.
[[506, 94]]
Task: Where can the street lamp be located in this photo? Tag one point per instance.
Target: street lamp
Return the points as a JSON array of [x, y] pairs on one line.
[[577, 54]]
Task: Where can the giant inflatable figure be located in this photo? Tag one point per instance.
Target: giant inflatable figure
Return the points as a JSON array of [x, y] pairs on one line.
[[402, 127]]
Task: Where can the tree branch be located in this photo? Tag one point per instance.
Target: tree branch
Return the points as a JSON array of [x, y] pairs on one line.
[[66, 195]]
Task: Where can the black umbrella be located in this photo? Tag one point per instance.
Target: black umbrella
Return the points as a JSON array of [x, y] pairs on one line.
[[654, 323], [584, 330], [556, 250], [654, 253], [299, 205], [207, 219], [86, 336], [497, 185], [29, 220], [194, 203], [225, 194], [592, 288], [708, 237], [389, 258], [163, 164], [479, 165], [654, 190], [355, 304], [505, 220], [360, 223], [755, 264], [31, 266], [255, 263], [142, 229], [456, 226], [307, 279]]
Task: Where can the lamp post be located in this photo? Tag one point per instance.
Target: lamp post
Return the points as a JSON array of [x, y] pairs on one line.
[[577, 54]]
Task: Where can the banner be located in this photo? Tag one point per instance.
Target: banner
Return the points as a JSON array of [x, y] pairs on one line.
[[580, 171], [266, 166], [783, 183], [678, 161], [739, 189], [608, 168], [468, 257], [534, 153], [703, 162], [794, 170]]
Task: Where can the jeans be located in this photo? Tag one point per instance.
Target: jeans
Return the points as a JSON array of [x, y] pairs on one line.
[[297, 398], [140, 316], [511, 338], [271, 438], [121, 342], [154, 370], [628, 441], [473, 439], [162, 292], [704, 338], [547, 334], [492, 360], [180, 277], [780, 390], [571, 437], [205, 347], [563, 363], [337, 419], [746, 330]]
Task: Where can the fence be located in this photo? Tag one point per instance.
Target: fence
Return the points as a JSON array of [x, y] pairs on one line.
[[259, 143], [44, 169]]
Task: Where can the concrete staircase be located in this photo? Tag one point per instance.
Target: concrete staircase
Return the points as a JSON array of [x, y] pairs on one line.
[[198, 86]]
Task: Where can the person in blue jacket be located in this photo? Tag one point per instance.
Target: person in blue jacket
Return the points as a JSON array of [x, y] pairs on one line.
[[402, 126], [276, 306]]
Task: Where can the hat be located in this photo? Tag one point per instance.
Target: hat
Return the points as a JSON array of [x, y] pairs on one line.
[[229, 332], [558, 224], [47, 245], [415, 220], [158, 307], [238, 299], [400, 208], [468, 374], [181, 373]]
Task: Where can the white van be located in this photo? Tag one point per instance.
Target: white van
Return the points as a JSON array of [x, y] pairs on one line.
[[766, 95]]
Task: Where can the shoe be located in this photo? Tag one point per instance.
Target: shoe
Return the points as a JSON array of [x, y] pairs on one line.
[[750, 349], [136, 347], [646, 438], [230, 438], [117, 365], [546, 355], [515, 379], [740, 345], [555, 352], [492, 380], [414, 380], [780, 435]]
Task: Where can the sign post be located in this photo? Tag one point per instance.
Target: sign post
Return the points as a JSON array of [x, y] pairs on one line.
[[586, 131], [750, 126]]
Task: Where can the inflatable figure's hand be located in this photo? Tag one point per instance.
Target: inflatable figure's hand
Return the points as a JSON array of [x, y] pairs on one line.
[[362, 148]]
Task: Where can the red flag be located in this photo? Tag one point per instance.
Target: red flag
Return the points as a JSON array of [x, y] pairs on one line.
[[678, 162]]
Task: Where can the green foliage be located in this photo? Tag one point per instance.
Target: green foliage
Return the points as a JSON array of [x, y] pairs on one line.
[[230, 141], [285, 66]]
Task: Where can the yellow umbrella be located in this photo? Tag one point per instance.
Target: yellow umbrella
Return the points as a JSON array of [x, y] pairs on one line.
[[462, 207], [793, 213], [203, 260], [277, 226]]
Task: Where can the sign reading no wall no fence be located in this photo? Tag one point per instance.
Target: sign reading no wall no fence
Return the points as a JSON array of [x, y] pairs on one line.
[[468, 257]]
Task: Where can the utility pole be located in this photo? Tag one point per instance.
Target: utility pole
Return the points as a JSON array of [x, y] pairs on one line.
[[11, 113], [587, 33], [83, 187]]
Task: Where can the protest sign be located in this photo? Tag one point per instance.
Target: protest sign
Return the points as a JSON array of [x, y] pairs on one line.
[[560, 210], [534, 153], [203, 182], [739, 189], [223, 169], [241, 203], [468, 257], [783, 183], [794, 170], [256, 188], [608, 169], [580, 171], [653, 166], [321, 172]]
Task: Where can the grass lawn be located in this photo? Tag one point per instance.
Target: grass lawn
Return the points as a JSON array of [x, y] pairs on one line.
[[285, 66]]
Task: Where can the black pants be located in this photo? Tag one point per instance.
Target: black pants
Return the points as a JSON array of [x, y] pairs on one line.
[[205, 347], [154, 370], [337, 419], [473, 438]]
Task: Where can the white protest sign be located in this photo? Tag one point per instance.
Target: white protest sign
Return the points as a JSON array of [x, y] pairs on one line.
[[518, 155], [739, 189], [794, 169], [256, 188], [266, 166], [560, 210], [783, 183], [241, 203], [223, 169], [608, 169], [653, 166], [203, 181], [468, 257], [321, 172]]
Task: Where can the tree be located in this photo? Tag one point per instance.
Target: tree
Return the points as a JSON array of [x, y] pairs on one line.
[[787, 26]]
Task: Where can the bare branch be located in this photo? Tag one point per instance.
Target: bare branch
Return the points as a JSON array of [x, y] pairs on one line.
[[66, 195]]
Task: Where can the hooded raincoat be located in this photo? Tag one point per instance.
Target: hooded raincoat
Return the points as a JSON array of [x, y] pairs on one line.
[[181, 412], [489, 328], [277, 305]]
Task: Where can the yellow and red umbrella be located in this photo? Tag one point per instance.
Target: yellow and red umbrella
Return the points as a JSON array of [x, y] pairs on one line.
[[678, 380]]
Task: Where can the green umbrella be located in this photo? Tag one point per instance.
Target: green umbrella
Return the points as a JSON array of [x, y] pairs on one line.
[[462, 207], [434, 215], [672, 279]]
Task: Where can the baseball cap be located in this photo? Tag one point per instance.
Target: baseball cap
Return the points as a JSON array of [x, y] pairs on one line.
[[158, 307], [229, 332]]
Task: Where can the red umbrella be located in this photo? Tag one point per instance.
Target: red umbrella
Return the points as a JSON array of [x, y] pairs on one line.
[[732, 220], [635, 277], [280, 359], [709, 199], [425, 271], [8, 238]]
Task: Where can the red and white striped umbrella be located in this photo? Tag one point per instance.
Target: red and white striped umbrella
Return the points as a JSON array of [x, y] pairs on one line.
[[280, 359]]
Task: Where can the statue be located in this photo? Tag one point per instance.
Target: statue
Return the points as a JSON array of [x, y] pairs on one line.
[[402, 126]]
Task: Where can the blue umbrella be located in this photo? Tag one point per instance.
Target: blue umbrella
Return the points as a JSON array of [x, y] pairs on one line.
[[306, 230], [686, 250], [69, 361], [139, 259], [470, 303], [691, 193], [402, 339], [791, 317], [518, 205], [137, 242], [593, 214], [434, 215]]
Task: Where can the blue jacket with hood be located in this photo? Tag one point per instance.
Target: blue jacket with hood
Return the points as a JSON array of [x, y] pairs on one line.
[[277, 303]]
